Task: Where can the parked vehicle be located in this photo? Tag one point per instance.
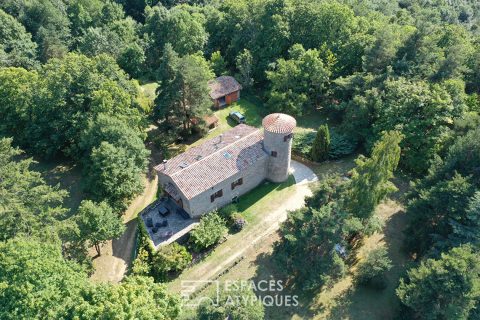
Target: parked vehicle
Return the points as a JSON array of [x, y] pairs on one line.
[[237, 117]]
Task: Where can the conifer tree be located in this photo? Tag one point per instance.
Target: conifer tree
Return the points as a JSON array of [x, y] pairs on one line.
[[321, 144]]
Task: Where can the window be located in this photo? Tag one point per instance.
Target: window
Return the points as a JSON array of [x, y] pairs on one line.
[[273, 154], [217, 194], [236, 183], [288, 137]]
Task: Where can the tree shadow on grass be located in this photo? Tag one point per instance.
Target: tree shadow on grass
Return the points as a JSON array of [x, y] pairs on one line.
[[365, 303], [119, 249], [65, 174], [281, 302]]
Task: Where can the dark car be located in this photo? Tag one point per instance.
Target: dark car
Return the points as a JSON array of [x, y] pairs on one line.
[[237, 117]]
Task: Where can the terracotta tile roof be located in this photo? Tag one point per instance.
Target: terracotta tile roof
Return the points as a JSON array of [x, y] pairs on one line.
[[222, 86], [279, 123], [203, 167]]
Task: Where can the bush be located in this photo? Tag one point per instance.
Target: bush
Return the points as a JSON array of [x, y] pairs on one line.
[[228, 212], [340, 146], [209, 231], [141, 264], [238, 303], [239, 222], [371, 272], [302, 143], [170, 258]]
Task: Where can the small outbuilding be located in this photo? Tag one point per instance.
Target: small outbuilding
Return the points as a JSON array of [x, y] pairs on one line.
[[224, 90], [211, 121]]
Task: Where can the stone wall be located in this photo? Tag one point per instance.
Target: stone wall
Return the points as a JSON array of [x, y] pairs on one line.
[[252, 177], [278, 166]]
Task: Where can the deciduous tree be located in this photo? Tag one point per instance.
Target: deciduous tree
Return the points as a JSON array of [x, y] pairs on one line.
[[98, 223]]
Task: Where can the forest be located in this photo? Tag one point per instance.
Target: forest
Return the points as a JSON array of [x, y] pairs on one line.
[[398, 80]]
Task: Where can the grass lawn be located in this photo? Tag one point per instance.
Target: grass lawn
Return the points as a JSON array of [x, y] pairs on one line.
[[67, 176], [248, 105]]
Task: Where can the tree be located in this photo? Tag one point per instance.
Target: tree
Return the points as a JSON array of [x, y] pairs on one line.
[[98, 223], [183, 93], [170, 258], [208, 232], [111, 174], [16, 46], [297, 84], [383, 51], [218, 64], [132, 60], [442, 205], [134, 298], [371, 271], [370, 179], [17, 89], [321, 144], [71, 92], [308, 237], [28, 205], [447, 288], [244, 63], [235, 303], [35, 281], [178, 26], [467, 229], [47, 21]]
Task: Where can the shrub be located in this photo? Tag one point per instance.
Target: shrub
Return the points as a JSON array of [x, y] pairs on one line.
[[371, 272], [302, 143], [170, 258], [141, 264], [237, 303], [208, 232], [228, 212], [239, 222], [340, 146]]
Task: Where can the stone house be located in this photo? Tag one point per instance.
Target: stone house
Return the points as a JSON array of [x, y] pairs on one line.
[[215, 173], [224, 90]]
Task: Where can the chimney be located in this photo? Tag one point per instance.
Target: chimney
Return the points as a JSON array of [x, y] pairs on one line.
[[165, 164]]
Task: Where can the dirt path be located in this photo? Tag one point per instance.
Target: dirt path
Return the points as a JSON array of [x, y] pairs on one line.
[[229, 252], [116, 256]]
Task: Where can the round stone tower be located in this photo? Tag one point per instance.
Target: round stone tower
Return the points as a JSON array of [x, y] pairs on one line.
[[278, 135]]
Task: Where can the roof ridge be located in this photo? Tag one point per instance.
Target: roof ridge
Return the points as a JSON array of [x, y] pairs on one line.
[[213, 153]]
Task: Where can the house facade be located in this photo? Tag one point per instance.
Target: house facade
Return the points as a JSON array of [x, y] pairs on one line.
[[212, 175], [224, 90]]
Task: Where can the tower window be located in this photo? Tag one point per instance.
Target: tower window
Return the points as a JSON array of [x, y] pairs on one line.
[[288, 137], [273, 154]]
